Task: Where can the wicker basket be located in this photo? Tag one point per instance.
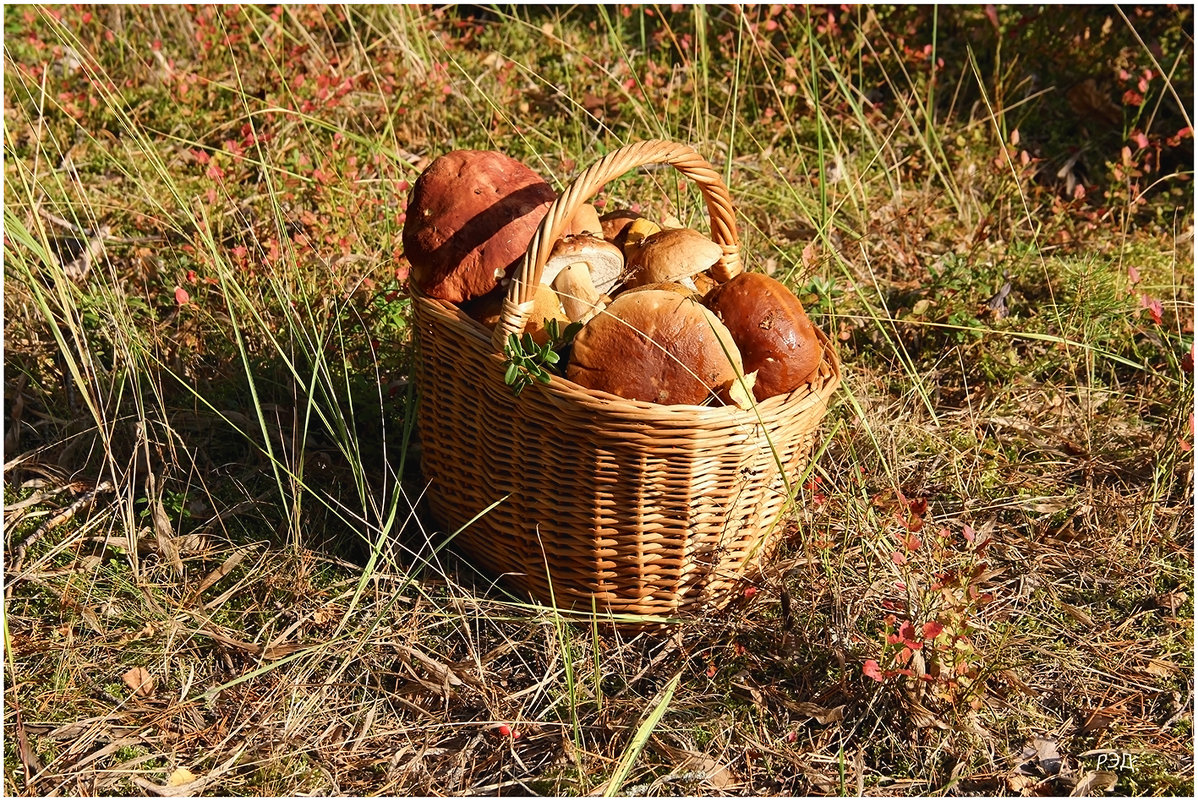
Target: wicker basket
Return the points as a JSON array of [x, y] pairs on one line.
[[587, 500]]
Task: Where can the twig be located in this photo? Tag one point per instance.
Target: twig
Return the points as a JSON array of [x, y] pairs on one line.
[[63, 516]]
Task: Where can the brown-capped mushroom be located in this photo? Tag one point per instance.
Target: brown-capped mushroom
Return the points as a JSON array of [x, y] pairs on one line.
[[772, 330], [585, 221], [637, 232], [655, 346], [667, 286], [674, 254], [470, 217], [546, 306], [583, 269], [615, 223]]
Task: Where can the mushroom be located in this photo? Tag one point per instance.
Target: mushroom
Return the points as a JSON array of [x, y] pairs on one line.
[[546, 305], [585, 221], [470, 217], [655, 346], [774, 334], [668, 286], [615, 223], [674, 254], [583, 269], [636, 233]]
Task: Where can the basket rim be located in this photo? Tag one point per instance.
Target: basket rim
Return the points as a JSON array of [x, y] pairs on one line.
[[567, 391]]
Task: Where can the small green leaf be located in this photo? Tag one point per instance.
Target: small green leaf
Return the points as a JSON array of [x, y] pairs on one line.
[[513, 372]]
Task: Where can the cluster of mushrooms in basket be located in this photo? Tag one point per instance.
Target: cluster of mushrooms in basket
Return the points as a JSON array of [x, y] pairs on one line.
[[649, 323]]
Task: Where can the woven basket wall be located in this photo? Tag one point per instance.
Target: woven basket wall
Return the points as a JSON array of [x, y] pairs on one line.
[[641, 508]]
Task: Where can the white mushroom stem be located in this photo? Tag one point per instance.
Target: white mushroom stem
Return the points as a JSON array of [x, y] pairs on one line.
[[579, 297]]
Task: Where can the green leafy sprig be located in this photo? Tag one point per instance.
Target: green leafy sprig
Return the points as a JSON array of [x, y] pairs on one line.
[[527, 362]]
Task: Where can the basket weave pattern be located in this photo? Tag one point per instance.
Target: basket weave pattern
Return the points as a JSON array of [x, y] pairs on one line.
[[647, 509]]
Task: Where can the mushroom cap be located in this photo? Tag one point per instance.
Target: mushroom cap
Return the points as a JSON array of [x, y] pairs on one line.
[[668, 286], [655, 346], [670, 255], [546, 305], [605, 260], [470, 217], [615, 223], [773, 332], [585, 221]]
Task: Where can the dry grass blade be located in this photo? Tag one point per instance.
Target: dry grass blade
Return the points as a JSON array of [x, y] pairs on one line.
[[639, 739]]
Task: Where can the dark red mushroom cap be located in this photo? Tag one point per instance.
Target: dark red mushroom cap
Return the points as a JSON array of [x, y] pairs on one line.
[[772, 330], [470, 217]]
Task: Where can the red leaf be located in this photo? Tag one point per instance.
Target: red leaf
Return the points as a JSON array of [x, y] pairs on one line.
[[1154, 306], [967, 532], [931, 630], [873, 670], [907, 631], [992, 14], [898, 558], [181, 296]]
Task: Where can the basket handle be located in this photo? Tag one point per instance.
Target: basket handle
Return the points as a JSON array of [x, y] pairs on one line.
[[517, 305]]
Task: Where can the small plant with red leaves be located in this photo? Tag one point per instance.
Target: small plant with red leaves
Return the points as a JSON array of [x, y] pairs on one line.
[[932, 614]]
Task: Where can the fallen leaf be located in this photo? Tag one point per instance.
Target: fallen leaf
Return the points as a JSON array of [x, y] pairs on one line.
[[180, 776], [1077, 614], [1043, 754], [1160, 667], [822, 715], [1021, 784], [715, 773], [1094, 782], [225, 569], [139, 680]]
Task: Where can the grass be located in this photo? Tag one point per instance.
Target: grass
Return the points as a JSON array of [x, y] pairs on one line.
[[211, 471]]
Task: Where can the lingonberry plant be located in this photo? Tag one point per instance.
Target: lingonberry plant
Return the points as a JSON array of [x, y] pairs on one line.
[[932, 612]]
